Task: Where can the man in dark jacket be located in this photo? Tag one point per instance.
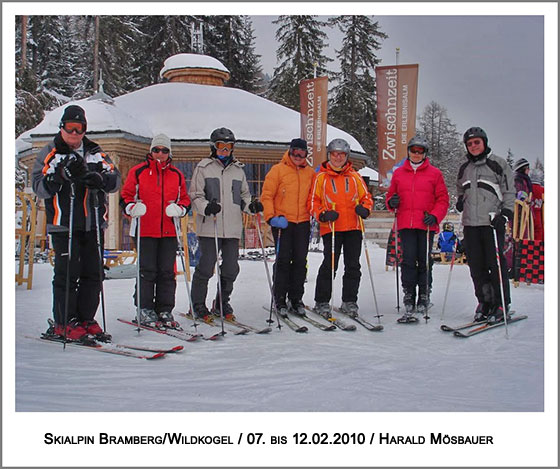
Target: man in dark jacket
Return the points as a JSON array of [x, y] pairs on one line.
[[484, 187], [73, 174]]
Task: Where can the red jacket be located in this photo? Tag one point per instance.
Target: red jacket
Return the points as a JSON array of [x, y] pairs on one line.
[[420, 191], [158, 186]]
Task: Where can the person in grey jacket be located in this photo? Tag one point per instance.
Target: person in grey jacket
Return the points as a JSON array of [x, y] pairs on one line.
[[485, 186], [219, 194], [72, 168]]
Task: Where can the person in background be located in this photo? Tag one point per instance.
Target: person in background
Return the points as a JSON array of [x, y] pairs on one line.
[[338, 199], [284, 198], [447, 241], [74, 163], [484, 186], [156, 188], [537, 178], [419, 196]]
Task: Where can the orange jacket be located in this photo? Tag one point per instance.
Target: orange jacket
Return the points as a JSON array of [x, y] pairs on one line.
[[286, 189], [339, 191]]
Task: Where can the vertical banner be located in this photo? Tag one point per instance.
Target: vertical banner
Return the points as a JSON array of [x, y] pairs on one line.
[[313, 112], [397, 87]]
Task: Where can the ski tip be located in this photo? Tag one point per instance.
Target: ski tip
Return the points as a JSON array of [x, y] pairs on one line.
[[302, 329], [156, 355], [177, 348]]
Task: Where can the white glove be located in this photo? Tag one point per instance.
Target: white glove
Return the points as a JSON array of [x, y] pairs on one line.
[[174, 210], [135, 209]]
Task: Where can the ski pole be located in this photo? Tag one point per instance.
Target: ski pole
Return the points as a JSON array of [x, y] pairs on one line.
[[273, 306], [369, 267], [332, 261], [94, 193], [426, 317], [136, 200], [69, 260], [449, 277], [492, 215], [397, 261], [218, 271]]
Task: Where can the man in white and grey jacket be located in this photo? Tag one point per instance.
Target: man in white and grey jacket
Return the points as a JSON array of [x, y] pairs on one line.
[[485, 186], [219, 191]]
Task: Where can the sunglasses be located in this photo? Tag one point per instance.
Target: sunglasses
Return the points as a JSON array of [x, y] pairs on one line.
[[165, 151], [219, 145], [417, 150], [472, 143], [298, 153], [74, 127]]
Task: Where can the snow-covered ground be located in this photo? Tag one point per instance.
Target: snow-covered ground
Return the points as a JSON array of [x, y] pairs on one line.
[[405, 368]]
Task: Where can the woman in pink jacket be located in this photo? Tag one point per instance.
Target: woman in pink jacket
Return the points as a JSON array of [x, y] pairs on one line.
[[419, 197]]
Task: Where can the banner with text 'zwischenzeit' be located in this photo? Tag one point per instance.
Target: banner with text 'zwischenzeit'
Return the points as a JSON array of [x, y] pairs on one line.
[[313, 112], [397, 87]]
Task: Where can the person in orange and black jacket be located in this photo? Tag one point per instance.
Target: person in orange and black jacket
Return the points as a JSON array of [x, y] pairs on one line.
[[420, 198], [338, 199], [157, 189], [72, 162], [284, 198]]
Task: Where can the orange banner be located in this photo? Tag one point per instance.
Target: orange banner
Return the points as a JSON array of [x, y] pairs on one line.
[[397, 87], [313, 111]]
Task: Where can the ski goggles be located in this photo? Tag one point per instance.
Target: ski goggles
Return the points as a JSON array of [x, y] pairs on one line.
[[165, 151], [298, 153], [417, 150], [473, 142], [74, 127], [220, 145]]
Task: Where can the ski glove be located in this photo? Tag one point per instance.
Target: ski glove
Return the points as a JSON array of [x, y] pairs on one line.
[[500, 220], [394, 201], [256, 206], [53, 182], [212, 208], [278, 222], [135, 209], [362, 211], [429, 219], [328, 216], [459, 204], [93, 180], [174, 210], [74, 169]]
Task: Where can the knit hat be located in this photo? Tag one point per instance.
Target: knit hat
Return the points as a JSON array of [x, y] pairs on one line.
[[73, 113], [161, 140], [298, 143]]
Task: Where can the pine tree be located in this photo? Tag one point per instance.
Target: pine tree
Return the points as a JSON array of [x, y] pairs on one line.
[[352, 105], [301, 46], [510, 159]]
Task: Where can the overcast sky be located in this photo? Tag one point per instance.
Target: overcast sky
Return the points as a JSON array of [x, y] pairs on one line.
[[485, 70]]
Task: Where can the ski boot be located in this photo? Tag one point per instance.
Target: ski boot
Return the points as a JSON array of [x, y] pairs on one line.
[[323, 309], [349, 308], [74, 332], [481, 312], [201, 312], [423, 304], [149, 318], [168, 321], [409, 301], [94, 330], [227, 310], [297, 308], [496, 314]]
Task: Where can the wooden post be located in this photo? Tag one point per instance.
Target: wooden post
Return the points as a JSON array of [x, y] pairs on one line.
[[26, 236]]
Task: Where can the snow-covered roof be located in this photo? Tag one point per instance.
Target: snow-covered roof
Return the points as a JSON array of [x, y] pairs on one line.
[[179, 61], [370, 173]]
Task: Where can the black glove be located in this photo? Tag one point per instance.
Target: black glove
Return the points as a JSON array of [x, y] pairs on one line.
[[394, 201], [429, 219], [256, 206], [74, 169], [93, 180], [459, 204], [53, 182], [362, 211], [213, 208], [499, 222], [328, 215]]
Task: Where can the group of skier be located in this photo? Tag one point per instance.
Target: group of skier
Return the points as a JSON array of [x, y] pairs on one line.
[[73, 175]]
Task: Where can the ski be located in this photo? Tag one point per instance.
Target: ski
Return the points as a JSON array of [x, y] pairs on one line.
[[175, 349], [254, 329], [360, 320], [446, 328], [487, 326], [181, 335], [335, 321], [313, 322], [213, 323], [90, 344], [291, 324]]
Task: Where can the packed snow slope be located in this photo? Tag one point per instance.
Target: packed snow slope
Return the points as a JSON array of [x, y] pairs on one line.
[[406, 367]]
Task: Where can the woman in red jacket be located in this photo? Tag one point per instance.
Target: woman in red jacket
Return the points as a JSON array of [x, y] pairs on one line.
[[157, 189], [420, 200]]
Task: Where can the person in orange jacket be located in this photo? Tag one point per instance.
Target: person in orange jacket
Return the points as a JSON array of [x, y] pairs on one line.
[[284, 197], [338, 198]]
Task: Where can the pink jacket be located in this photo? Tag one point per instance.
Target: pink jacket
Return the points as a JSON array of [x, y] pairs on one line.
[[420, 191]]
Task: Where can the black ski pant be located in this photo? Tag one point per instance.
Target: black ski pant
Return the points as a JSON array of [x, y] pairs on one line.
[[481, 258], [413, 266], [290, 268], [229, 268], [350, 243], [85, 276], [157, 273]]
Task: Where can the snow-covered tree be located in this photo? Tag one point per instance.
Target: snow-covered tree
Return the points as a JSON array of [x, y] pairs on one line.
[[302, 41], [510, 158], [352, 104]]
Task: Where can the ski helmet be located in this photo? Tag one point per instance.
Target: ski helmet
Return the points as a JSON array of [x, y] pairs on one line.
[[222, 134], [448, 226], [520, 165], [475, 132], [418, 141], [338, 144]]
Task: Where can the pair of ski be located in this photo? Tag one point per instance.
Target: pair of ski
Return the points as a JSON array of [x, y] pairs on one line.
[[238, 328], [133, 351], [477, 327], [175, 333]]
